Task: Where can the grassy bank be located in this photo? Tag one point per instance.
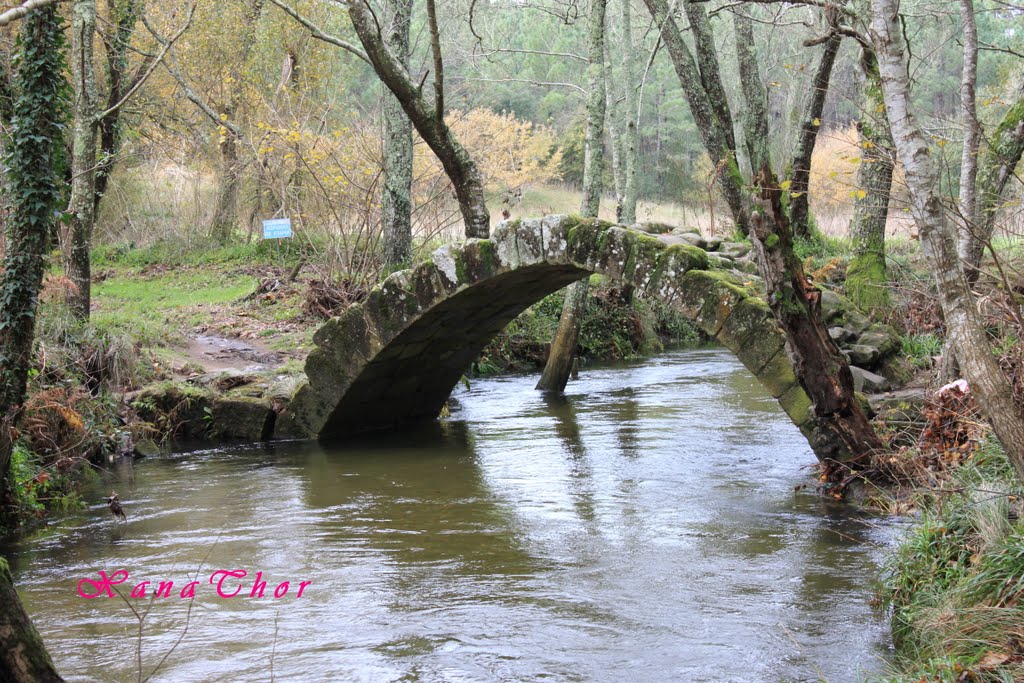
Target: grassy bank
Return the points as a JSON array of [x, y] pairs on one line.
[[955, 583]]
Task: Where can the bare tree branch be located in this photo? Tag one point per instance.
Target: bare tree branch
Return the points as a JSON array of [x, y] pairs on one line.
[[191, 94], [545, 84], [141, 80], [20, 11], [317, 33], [538, 52]]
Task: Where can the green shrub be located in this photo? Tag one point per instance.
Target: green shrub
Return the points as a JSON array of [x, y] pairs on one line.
[[615, 326]]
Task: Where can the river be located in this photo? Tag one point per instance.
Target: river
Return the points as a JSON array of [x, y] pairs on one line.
[[645, 527]]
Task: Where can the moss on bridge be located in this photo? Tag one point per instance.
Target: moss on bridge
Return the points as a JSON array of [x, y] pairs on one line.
[[396, 357]]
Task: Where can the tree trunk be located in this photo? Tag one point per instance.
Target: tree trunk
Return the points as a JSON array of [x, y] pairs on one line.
[[841, 432], [225, 213], [969, 119], [32, 160], [125, 14], [997, 167], [593, 143], [866, 280], [82, 205], [939, 240], [755, 120], [707, 111], [396, 201], [631, 108], [799, 206], [23, 658], [458, 165], [616, 129], [563, 347]]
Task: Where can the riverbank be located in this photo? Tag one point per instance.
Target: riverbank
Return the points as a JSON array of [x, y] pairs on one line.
[[954, 584]]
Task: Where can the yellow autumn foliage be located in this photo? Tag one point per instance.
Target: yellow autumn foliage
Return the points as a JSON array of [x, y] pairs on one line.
[[838, 154], [510, 152], [834, 169], [347, 163]]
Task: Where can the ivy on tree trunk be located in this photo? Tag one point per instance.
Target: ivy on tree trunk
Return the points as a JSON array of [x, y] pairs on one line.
[[33, 159]]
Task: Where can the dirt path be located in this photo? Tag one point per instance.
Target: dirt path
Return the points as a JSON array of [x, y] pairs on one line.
[[214, 353]]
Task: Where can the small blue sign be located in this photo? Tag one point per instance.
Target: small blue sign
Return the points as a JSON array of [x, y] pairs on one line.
[[277, 228]]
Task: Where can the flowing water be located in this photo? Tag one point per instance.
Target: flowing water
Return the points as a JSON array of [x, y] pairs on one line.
[[645, 527]]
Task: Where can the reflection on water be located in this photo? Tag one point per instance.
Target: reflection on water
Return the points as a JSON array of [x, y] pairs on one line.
[[643, 528]]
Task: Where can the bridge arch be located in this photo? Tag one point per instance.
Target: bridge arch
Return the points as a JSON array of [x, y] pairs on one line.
[[396, 357]]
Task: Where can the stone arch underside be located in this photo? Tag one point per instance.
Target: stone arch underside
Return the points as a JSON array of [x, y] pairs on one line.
[[395, 358]]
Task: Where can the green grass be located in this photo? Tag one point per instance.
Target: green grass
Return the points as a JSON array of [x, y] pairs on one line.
[[919, 349], [154, 309]]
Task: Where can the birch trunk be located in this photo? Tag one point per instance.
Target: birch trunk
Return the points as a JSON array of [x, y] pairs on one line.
[[969, 119], [623, 103], [82, 204], [593, 143], [939, 239], [396, 202], [563, 347], [631, 107]]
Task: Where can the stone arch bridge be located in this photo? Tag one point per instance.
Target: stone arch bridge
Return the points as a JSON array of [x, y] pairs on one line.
[[396, 357]]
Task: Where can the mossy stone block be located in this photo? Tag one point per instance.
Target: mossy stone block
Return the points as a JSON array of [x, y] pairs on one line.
[[797, 404], [777, 375], [708, 298]]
